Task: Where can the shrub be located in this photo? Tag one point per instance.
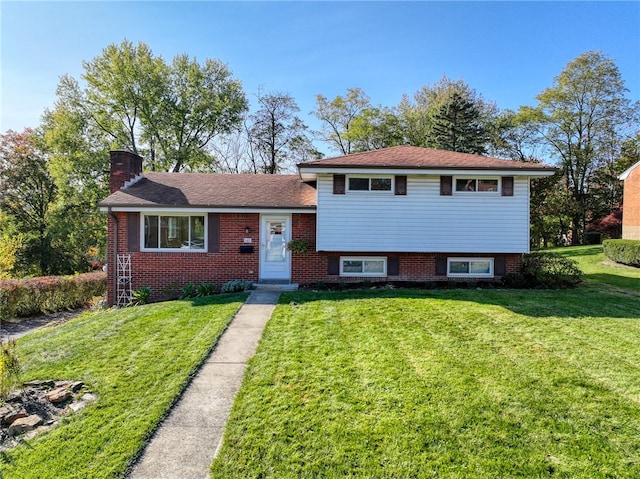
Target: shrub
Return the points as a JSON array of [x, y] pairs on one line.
[[10, 368], [545, 270], [206, 289], [298, 245], [623, 251], [188, 291], [48, 294], [141, 296], [235, 286]]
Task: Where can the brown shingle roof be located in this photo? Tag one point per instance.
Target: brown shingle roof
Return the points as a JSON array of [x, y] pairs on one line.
[[216, 190], [424, 158]]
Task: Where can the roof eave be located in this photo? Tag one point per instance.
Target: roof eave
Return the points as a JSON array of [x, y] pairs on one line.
[[308, 173]]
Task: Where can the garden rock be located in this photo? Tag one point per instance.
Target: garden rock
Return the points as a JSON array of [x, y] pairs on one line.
[[24, 424], [59, 395], [38, 406], [11, 412]]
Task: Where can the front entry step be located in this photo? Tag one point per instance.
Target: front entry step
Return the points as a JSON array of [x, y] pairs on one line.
[[273, 285]]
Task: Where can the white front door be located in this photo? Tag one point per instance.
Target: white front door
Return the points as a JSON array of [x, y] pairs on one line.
[[275, 258]]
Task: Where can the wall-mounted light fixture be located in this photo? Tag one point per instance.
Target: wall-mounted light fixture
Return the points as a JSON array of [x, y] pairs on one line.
[[247, 230]]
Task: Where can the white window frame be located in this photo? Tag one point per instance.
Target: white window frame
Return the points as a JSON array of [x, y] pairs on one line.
[[371, 177], [363, 259], [476, 179], [470, 275], [160, 214]]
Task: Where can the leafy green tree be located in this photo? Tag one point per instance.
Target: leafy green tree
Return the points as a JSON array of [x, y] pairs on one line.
[[605, 189], [337, 117], [579, 118], [374, 128], [27, 192], [444, 114], [277, 136], [168, 113], [11, 244]]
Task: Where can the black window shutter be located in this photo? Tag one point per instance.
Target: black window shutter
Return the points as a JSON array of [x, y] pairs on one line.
[[507, 186], [446, 185], [393, 266], [401, 185], [338, 184], [213, 232], [441, 266], [499, 267], [133, 232], [333, 265]]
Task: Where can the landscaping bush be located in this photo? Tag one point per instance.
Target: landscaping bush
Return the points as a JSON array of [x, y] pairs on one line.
[[189, 290], [236, 286], [141, 296], [545, 270], [623, 251], [206, 289], [48, 294]]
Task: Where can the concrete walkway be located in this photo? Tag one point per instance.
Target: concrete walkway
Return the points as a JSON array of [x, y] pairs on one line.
[[187, 441]]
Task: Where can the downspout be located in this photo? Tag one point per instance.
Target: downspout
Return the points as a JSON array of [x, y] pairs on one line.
[[115, 252]]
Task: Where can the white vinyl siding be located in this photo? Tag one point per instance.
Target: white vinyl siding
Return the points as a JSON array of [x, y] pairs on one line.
[[423, 220]]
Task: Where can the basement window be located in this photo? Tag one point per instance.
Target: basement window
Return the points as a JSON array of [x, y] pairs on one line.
[[361, 266], [470, 267], [174, 232]]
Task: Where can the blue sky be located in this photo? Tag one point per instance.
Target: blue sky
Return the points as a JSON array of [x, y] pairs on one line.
[[507, 51]]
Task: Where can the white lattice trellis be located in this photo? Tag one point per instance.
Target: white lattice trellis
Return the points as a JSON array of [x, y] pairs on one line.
[[124, 279]]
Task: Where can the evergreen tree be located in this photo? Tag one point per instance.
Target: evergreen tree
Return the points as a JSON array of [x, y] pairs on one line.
[[457, 126]]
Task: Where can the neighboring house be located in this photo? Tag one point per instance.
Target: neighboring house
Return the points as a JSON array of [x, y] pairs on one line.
[[631, 203], [397, 214]]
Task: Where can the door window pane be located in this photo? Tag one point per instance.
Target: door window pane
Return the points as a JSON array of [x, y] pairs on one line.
[[276, 246]]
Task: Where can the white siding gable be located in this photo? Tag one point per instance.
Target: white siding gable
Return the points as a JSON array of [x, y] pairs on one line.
[[423, 220]]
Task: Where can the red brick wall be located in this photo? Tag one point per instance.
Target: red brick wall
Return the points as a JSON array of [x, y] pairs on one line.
[[631, 206], [167, 272]]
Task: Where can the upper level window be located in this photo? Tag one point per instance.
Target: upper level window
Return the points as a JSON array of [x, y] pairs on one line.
[[174, 232], [477, 184], [360, 183]]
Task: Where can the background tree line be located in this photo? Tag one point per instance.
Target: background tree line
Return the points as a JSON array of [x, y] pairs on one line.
[[189, 116]]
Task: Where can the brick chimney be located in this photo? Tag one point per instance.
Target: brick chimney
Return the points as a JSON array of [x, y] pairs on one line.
[[125, 166]]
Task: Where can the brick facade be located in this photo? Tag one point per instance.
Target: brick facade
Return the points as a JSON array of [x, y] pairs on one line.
[[167, 272], [631, 211]]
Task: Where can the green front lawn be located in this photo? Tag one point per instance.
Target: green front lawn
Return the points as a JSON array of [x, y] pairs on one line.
[[445, 383], [599, 269], [136, 360]]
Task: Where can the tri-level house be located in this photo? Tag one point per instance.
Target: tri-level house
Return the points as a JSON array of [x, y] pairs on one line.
[[396, 214]]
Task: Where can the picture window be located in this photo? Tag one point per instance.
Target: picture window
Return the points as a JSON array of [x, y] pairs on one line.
[[174, 232]]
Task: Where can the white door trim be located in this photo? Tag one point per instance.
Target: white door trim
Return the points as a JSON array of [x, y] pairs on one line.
[[275, 258]]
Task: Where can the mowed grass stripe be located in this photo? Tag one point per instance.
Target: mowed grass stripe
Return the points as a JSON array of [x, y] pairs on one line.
[[137, 361], [433, 384]]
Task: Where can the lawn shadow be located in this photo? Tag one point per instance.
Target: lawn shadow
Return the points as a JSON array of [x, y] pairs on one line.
[[580, 302]]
